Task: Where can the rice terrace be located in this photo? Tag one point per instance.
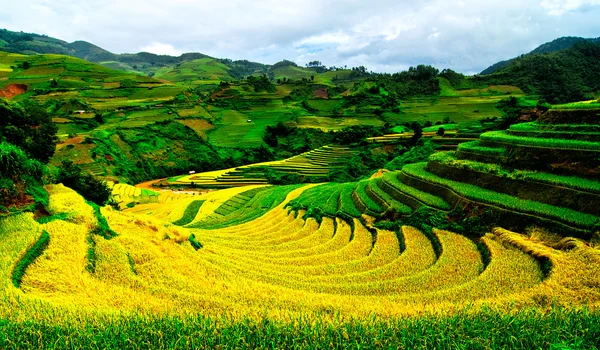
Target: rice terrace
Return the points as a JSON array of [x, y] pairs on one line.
[[186, 201]]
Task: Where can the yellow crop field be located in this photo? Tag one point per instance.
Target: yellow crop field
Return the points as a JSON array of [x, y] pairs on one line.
[[279, 266]]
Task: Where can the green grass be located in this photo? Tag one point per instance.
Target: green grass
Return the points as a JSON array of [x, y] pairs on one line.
[[368, 202], [292, 72], [399, 207], [400, 129], [578, 105], [569, 128], [502, 137], [474, 147], [346, 205], [573, 182], [505, 201], [195, 71], [32, 253], [484, 329], [430, 200], [460, 109], [234, 130]]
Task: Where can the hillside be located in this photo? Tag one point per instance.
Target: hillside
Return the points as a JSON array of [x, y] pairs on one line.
[[561, 76], [143, 62], [552, 46], [103, 114], [358, 261], [193, 202]]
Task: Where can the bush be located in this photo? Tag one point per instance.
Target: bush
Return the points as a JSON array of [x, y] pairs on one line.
[[89, 187], [14, 162], [414, 155]]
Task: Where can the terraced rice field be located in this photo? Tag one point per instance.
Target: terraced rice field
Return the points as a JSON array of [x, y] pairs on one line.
[[317, 162], [126, 195], [449, 141], [279, 266]]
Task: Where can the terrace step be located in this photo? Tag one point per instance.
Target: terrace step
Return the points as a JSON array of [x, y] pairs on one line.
[[512, 209], [411, 196], [564, 191], [387, 202]]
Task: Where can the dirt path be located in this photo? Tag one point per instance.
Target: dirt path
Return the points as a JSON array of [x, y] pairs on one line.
[[148, 184]]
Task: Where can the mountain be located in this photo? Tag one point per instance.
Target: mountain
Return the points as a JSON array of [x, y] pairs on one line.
[[557, 76], [552, 46], [142, 63]]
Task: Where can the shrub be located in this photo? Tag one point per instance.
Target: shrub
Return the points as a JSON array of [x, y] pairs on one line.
[[414, 155], [89, 187], [14, 162]]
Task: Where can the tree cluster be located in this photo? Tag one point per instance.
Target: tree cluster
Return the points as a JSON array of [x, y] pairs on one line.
[[559, 77], [262, 83]]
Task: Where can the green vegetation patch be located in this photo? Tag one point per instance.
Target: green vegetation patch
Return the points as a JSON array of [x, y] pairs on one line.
[[190, 213], [503, 137], [505, 201], [573, 182], [194, 242], [331, 199], [366, 200], [424, 197], [484, 329], [103, 229], [32, 253], [474, 147], [250, 209]]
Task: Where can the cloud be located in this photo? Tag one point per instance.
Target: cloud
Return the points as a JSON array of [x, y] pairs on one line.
[[160, 49], [383, 35], [559, 7]]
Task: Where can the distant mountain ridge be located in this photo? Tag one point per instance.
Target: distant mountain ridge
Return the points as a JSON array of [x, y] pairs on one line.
[[143, 62], [552, 46]]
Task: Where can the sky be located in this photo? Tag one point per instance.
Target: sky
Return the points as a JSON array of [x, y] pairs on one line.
[[382, 35]]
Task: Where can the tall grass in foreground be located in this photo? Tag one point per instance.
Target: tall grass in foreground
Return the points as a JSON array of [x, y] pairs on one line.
[[486, 329]]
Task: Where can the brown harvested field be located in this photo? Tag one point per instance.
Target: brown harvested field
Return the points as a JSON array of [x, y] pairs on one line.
[[13, 90], [322, 93], [60, 120], [200, 126]]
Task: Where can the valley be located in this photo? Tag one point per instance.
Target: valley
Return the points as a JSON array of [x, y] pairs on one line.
[[195, 202]]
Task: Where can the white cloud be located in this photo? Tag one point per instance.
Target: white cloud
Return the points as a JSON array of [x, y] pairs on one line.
[[559, 7], [383, 35], [160, 49]]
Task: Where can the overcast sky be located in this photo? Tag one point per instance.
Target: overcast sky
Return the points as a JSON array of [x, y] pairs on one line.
[[383, 35]]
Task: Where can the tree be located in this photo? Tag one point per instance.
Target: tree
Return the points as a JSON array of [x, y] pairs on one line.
[[86, 185], [30, 127], [418, 133]]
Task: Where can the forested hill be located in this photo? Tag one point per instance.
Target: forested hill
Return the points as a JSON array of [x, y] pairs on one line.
[[560, 76], [552, 46], [143, 62]]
